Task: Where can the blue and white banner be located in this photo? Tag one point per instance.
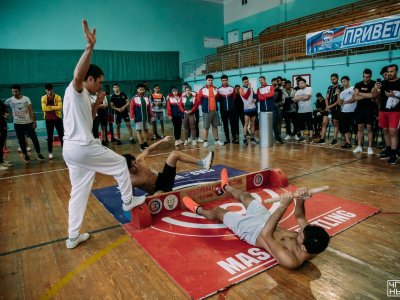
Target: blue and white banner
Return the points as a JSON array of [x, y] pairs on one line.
[[377, 31]]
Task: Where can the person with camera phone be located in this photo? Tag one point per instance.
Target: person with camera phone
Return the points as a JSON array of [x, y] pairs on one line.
[[388, 93]]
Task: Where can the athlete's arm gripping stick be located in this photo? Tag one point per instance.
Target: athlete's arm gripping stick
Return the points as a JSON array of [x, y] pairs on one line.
[[310, 192]]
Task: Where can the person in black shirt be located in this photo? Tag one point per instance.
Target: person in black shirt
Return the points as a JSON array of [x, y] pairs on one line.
[[364, 112], [119, 103], [333, 107], [110, 115], [289, 111], [278, 102], [320, 108], [389, 112], [239, 105]]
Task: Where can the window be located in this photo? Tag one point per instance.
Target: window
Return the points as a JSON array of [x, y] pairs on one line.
[[244, 2]]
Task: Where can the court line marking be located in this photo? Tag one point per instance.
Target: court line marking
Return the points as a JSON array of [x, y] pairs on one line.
[[57, 286], [54, 241], [327, 168], [360, 262], [333, 147], [30, 174]]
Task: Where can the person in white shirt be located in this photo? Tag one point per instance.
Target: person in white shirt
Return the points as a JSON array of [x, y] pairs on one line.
[[83, 154], [348, 103], [304, 114], [24, 121]]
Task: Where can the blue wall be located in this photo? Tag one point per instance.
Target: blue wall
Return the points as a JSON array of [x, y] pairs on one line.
[[320, 74], [127, 25], [293, 10]]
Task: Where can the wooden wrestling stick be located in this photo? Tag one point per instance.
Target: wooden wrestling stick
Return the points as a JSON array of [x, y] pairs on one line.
[[310, 192]]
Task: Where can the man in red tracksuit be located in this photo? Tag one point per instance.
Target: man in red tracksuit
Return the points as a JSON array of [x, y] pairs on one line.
[[208, 97]]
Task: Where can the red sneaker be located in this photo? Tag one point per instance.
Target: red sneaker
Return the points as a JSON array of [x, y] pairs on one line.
[[224, 179], [190, 204]]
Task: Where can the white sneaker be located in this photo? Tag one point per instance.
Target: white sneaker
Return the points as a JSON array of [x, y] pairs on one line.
[[81, 238], [194, 143], [219, 143], [185, 143], [51, 156], [27, 149], [205, 144], [178, 142], [135, 201], [288, 137], [199, 140], [370, 151], [207, 161], [3, 167], [358, 149], [296, 138]]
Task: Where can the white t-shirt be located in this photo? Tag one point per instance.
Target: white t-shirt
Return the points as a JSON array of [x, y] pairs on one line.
[[20, 109], [78, 121], [304, 106], [346, 95]]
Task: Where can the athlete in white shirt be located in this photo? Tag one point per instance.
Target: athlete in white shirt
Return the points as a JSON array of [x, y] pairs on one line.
[[347, 101], [304, 114], [83, 154]]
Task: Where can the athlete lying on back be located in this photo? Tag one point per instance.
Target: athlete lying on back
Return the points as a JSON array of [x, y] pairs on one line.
[[156, 183], [260, 228]]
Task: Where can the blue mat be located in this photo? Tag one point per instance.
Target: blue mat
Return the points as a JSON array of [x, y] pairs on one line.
[[110, 196]]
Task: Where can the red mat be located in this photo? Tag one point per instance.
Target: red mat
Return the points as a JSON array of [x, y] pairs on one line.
[[205, 257]]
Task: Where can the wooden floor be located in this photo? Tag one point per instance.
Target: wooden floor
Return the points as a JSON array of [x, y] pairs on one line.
[[35, 263]]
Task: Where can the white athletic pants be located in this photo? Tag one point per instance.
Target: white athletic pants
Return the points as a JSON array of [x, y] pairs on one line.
[[83, 162]]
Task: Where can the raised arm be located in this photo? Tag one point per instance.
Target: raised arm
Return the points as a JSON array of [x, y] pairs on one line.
[[376, 91], [84, 62], [268, 241], [299, 211]]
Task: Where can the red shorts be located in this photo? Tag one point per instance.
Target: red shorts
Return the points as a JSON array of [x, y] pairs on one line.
[[389, 119]]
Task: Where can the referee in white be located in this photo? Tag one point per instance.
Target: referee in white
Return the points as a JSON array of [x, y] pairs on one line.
[[83, 154]]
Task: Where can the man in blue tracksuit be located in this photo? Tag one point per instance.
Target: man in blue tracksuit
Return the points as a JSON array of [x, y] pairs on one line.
[[227, 96]]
